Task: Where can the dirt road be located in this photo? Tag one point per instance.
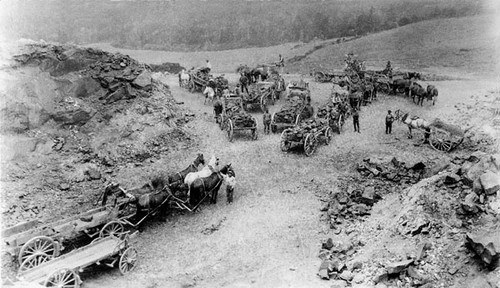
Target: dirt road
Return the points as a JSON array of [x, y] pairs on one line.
[[270, 235]]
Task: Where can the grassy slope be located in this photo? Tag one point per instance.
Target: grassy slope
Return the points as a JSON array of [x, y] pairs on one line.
[[467, 44]]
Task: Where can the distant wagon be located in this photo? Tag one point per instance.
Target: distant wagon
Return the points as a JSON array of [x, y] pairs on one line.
[[234, 118], [307, 136]]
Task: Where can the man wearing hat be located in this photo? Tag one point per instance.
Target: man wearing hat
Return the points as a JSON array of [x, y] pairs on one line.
[[388, 122]]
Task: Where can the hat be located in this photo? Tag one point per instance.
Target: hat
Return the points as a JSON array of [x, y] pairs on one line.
[[389, 111]]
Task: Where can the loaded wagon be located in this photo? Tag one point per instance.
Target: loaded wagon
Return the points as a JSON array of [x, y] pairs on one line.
[[39, 269], [445, 137], [35, 237], [307, 136], [234, 118], [198, 79], [260, 94], [290, 114], [333, 76], [334, 114]]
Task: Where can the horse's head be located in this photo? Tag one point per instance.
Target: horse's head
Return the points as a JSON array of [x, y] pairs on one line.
[[214, 162], [199, 160], [112, 189]]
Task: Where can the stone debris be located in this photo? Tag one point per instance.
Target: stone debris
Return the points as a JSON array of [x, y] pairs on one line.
[[486, 246]]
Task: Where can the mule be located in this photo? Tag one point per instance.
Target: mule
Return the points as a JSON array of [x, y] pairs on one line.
[[209, 186], [432, 93], [413, 75], [414, 122], [178, 178]]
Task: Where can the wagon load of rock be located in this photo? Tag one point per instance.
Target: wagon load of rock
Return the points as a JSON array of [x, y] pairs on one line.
[[289, 112], [243, 119]]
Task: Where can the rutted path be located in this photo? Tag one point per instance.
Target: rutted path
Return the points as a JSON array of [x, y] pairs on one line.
[[268, 237]]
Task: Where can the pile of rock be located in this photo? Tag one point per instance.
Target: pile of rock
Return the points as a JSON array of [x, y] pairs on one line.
[[172, 68], [290, 110], [243, 119], [335, 265], [299, 132], [392, 169]]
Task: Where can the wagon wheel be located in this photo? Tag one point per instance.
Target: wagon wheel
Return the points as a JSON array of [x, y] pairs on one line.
[[113, 228], [63, 278], [284, 143], [39, 245], [319, 76], [191, 86], [328, 135], [33, 261], [310, 144], [263, 103], [128, 260], [440, 140], [230, 130]]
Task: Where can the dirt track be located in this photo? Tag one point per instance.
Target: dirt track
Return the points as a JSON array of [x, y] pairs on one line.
[[270, 235]]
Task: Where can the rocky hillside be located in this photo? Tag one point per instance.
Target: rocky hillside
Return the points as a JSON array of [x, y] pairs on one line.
[[71, 118]]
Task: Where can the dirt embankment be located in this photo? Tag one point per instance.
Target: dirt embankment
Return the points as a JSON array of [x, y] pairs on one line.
[[71, 118]]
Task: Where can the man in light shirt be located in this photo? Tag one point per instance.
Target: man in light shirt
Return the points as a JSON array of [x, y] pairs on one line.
[[209, 94]]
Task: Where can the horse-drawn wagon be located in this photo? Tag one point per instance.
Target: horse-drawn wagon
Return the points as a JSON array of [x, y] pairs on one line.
[[334, 114], [440, 135], [290, 114], [64, 271], [307, 135], [198, 79], [234, 118], [34, 237], [261, 94]]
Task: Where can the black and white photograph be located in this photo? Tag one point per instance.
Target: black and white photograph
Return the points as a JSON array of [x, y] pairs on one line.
[[250, 143]]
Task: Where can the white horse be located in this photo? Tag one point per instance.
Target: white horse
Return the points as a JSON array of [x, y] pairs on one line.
[[211, 167], [414, 122]]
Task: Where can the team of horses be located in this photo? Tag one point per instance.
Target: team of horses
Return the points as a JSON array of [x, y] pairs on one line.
[[194, 183], [416, 91]]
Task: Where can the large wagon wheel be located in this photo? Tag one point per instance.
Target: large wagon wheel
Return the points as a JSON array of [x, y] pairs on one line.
[[440, 140], [191, 86], [254, 130], [274, 129], [33, 261], [113, 228], [39, 245], [230, 130], [319, 76], [64, 278], [328, 135], [284, 143], [128, 260], [297, 119], [221, 121], [310, 144], [263, 102]]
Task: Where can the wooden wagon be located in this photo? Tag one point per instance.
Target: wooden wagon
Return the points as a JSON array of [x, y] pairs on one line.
[[64, 271], [333, 114], [307, 136], [260, 94], [34, 237], [234, 118], [198, 79], [445, 137]]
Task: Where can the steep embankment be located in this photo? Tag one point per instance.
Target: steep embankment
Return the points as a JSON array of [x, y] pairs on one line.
[[466, 45], [71, 118]]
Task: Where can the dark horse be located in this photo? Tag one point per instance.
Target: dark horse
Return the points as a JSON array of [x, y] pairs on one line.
[[209, 186], [418, 92], [177, 179], [146, 198], [432, 93], [399, 85]]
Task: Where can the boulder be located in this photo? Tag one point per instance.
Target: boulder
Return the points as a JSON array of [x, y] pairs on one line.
[[368, 196], [397, 267], [451, 179], [143, 81], [93, 173], [490, 182], [323, 270], [328, 244], [346, 275], [486, 245], [338, 284], [78, 116]]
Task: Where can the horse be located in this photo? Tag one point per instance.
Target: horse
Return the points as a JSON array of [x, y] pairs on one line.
[[417, 91], [261, 73], [211, 167], [412, 75], [146, 198], [432, 93], [178, 178], [399, 84], [414, 122], [209, 186]]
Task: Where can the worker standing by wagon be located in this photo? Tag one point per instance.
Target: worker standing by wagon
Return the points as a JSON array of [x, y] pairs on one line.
[[208, 66]]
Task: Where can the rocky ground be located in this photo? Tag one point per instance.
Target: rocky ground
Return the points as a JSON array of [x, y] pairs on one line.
[[369, 209]]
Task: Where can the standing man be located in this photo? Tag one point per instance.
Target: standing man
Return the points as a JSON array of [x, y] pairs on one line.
[[388, 122], [281, 63], [266, 120], [355, 119], [208, 65], [217, 109]]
